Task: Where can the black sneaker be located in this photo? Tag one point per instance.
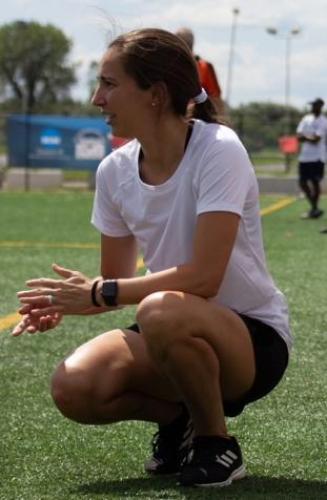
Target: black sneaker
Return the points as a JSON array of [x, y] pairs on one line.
[[316, 213], [171, 445], [306, 215], [213, 461]]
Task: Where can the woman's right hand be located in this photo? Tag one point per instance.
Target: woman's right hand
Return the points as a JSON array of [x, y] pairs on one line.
[[33, 324]]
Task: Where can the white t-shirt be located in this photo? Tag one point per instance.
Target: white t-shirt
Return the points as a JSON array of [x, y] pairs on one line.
[[215, 174], [311, 125]]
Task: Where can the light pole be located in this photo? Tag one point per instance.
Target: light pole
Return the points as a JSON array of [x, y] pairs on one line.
[[288, 39], [236, 12], [287, 36]]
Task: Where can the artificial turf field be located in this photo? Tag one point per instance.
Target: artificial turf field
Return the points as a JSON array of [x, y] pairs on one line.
[[44, 456]]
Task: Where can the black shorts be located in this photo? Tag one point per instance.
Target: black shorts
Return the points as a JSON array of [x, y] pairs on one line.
[[271, 360], [311, 171]]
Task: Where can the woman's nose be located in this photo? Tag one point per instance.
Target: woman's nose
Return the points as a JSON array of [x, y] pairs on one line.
[[97, 98]]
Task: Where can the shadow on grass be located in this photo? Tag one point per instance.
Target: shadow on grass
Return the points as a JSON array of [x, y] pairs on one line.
[[253, 487]]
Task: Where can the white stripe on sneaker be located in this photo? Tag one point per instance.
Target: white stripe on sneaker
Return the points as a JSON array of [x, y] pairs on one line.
[[227, 459], [223, 462]]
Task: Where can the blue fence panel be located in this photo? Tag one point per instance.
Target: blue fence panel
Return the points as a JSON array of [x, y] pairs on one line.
[[40, 141]]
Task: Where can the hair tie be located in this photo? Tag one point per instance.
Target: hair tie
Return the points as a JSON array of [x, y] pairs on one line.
[[200, 98]]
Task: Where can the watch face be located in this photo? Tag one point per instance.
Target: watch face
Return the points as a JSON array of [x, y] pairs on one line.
[[109, 292]]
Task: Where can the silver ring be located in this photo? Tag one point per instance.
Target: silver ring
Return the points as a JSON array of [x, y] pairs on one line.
[[50, 299]]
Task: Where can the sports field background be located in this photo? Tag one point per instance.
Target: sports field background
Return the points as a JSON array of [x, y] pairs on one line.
[[44, 456]]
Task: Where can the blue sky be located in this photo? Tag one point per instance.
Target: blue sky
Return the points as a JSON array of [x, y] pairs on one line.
[[258, 70]]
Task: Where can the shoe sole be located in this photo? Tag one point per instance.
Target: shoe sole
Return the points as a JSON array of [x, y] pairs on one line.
[[160, 473], [156, 471], [309, 216], [239, 473]]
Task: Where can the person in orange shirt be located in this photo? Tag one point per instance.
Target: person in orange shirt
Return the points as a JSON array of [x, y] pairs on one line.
[[208, 77]]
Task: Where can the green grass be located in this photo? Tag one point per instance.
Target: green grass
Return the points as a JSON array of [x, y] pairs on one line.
[[272, 163], [267, 156], [76, 175], [44, 456]]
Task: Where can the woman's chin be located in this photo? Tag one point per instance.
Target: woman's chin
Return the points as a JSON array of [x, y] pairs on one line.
[[119, 132]]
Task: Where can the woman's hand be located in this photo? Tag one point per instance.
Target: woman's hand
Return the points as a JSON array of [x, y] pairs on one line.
[[71, 295], [33, 324]]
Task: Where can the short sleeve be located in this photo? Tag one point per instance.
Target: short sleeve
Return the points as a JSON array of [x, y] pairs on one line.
[[321, 128], [224, 179], [300, 127], [106, 216]]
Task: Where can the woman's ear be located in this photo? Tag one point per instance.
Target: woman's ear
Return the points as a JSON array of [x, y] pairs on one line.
[[160, 96]]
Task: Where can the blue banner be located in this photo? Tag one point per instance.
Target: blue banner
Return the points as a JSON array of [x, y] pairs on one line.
[[42, 141]]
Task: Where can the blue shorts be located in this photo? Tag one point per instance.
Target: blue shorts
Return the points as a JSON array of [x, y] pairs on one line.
[[271, 360]]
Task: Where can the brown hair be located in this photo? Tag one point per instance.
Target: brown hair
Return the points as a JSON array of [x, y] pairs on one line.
[[153, 55]]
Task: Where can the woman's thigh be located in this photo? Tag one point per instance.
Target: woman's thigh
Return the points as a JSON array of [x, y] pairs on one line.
[[192, 316], [118, 361], [114, 363], [231, 341]]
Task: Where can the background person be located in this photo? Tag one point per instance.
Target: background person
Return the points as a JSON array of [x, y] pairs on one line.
[[208, 76], [211, 332], [312, 133]]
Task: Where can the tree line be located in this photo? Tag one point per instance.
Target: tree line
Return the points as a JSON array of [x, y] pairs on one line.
[[35, 74], [36, 77]]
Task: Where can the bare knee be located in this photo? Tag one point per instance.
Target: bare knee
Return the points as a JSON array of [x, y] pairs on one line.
[[97, 373], [160, 313], [161, 310], [164, 321], [71, 392]]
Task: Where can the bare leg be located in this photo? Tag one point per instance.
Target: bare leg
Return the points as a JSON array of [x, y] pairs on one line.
[[204, 349], [111, 378], [306, 188], [190, 350], [315, 193]]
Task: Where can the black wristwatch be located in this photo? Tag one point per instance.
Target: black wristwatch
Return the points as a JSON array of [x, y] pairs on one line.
[[109, 292]]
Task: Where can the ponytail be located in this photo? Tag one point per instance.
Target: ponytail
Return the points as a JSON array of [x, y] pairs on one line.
[[206, 111]]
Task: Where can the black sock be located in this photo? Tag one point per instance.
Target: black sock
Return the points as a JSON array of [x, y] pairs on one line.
[[178, 421]]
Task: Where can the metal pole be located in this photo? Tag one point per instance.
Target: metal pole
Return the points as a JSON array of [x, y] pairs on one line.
[[23, 25], [287, 96], [27, 180], [288, 40], [288, 82], [231, 55]]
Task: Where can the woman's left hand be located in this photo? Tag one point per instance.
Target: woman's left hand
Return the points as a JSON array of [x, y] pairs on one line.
[[71, 295]]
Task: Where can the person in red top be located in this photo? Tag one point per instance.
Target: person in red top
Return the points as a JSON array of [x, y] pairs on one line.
[[208, 77]]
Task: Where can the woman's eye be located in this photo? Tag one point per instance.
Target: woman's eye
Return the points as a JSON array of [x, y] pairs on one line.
[[109, 83], [105, 83]]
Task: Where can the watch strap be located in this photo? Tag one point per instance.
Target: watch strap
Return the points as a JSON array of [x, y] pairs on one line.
[[94, 294]]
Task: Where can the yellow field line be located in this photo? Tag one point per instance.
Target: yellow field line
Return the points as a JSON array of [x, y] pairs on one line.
[[8, 321], [277, 206], [47, 244], [11, 319], [94, 246]]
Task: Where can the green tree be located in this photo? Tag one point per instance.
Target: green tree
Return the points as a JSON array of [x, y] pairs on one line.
[[33, 64], [260, 124]]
